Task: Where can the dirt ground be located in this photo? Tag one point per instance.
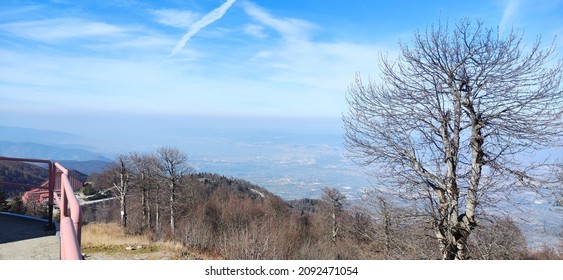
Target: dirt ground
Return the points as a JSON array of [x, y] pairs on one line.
[[151, 253], [131, 256]]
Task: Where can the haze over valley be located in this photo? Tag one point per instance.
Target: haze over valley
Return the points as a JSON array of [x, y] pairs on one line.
[[292, 159]]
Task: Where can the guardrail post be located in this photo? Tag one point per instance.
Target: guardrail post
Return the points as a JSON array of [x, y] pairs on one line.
[[52, 176], [71, 214]]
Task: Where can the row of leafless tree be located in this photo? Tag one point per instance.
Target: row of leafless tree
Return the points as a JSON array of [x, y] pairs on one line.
[[154, 180], [160, 195]]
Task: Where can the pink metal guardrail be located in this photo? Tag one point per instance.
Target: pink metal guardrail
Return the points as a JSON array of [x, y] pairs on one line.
[[71, 217], [70, 212]]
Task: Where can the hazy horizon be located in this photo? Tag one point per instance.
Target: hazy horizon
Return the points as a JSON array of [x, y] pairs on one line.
[[283, 157], [292, 157]]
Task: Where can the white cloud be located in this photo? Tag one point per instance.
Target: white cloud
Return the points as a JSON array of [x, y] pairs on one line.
[[147, 42], [255, 30], [58, 29], [510, 12], [203, 22], [176, 18], [321, 66], [283, 77], [289, 28]]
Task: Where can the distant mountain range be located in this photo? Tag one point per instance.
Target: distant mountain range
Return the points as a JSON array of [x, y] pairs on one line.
[[70, 150], [46, 137], [87, 167], [41, 151]]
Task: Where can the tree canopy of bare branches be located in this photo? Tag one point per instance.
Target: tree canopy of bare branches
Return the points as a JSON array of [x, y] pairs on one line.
[[172, 165], [448, 119], [119, 175], [336, 201], [144, 167]]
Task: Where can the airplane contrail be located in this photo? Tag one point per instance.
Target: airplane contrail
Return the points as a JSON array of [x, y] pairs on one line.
[[203, 22]]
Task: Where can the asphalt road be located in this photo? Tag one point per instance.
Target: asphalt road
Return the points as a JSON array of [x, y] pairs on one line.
[[27, 239]]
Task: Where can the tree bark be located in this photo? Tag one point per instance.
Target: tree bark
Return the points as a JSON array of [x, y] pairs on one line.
[[172, 204]]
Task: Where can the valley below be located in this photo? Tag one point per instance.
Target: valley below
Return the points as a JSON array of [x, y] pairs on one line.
[[292, 165]]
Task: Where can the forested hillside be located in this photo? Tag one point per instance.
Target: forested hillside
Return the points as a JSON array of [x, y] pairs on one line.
[[31, 174], [160, 196], [22, 173]]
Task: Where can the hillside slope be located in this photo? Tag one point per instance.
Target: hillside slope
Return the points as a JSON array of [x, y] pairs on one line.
[[29, 174], [49, 152]]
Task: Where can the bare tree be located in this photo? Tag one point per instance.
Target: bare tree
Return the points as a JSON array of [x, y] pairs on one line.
[[145, 179], [447, 121], [499, 239], [172, 166], [335, 201], [396, 232], [119, 176]]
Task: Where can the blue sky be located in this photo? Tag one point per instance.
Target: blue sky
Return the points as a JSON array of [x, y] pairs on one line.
[[87, 59]]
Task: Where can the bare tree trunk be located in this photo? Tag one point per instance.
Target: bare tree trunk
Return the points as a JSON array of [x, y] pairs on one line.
[[172, 167], [157, 219], [172, 203], [335, 227], [467, 221], [149, 217], [335, 203], [157, 225], [123, 202], [386, 223], [123, 212], [477, 162], [146, 166], [119, 176], [146, 209]]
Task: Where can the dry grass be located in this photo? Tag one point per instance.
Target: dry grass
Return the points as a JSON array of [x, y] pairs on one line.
[[110, 234], [108, 241]]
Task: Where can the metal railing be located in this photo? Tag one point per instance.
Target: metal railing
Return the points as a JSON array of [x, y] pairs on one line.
[[70, 212], [71, 217]]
